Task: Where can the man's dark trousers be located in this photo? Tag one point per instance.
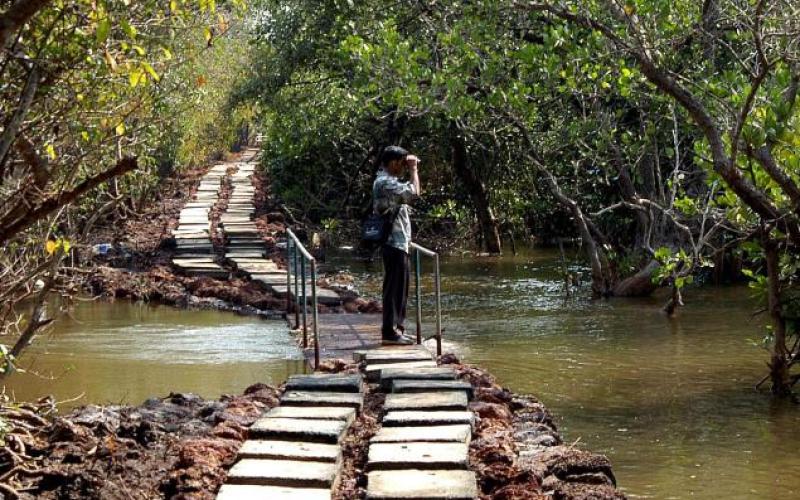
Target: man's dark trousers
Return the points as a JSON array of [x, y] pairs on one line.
[[395, 289]]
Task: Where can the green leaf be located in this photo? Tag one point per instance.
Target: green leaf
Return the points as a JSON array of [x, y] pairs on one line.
[[662, 254], [129, 29], [103, 30]]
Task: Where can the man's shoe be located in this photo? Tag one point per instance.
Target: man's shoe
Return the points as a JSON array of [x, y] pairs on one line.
[[397, 340]]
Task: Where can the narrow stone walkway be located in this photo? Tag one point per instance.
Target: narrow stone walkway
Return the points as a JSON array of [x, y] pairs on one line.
[[294, 451], [421, 451], [194, 250], [244, 246]]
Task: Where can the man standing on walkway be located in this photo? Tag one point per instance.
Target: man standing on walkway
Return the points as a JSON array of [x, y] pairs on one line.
[[391, 197]]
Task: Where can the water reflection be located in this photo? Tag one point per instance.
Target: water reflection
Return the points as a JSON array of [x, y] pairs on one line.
[[670, 401]]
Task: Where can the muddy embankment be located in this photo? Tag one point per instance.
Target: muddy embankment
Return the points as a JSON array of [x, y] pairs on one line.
[[175, 447], [182, 446], [138, 264]]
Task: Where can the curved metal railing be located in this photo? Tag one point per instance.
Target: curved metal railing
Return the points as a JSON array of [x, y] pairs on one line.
[[437, 283], [296, 257]]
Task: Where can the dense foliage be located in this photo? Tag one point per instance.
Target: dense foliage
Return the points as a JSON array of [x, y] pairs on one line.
[[98, 100], [662, 134]]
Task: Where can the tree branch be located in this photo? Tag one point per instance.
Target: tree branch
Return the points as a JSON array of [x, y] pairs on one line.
[[16, 16], [9, 229]]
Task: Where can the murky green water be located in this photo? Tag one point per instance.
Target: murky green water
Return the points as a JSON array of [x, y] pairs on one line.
[[126, 353], [671, 402]]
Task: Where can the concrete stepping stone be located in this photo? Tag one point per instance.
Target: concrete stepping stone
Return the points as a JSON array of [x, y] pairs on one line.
[[191, 234], [269, 280], [391, 357], [243, 255], [389, 375], [283, 473], [189, 240], [373, 372], [461, 433], [361, 354], [265, 267], [422, 485], [324, 382], [347, 415], [412, 386], [301, 398], [418, 455], [289, 450], [324, 295], [237, 222], [253, 492], [255, 259], [196, 265], [298, 429], [194, 260], [254, 242], [427, 418], [426, 401]]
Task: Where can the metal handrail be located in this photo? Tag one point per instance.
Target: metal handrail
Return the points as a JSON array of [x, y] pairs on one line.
[[299, 258], [420, 250]]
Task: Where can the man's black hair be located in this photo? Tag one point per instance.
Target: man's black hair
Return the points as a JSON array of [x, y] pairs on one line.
[[392, 153]]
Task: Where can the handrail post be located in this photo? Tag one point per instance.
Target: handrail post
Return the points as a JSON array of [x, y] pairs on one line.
[[305, 301], [438, 286], [296, 290], [314, 313], [288, 277], [417, 286]]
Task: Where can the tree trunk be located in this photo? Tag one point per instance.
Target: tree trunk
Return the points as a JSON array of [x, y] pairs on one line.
[[18, 13], [490, 230], [779, 361], [640, 284]]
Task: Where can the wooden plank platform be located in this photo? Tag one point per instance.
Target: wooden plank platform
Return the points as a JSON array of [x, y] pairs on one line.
[[340, 335]]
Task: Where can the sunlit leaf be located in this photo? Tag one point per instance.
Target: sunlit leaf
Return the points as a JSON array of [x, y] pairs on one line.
[[136, 77], [150, 70]]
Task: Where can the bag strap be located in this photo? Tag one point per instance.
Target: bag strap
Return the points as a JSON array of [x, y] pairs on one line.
[[394, 213]]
